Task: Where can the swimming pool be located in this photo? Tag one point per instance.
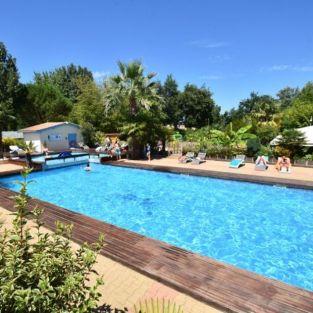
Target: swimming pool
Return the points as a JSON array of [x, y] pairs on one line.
[[265, 229]]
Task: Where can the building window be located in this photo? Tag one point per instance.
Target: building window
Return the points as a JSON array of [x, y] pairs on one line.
[[55, 137]]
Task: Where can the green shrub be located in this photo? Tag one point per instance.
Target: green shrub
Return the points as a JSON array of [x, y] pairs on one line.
[[308, 157], [11, 142], [280, 151], [293, 141], [267, 151], [88, 133], [253, 146], [99, 137], [40, 272], [191, 146]]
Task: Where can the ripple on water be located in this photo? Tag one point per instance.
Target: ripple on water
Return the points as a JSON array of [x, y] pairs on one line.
[[265, 229]]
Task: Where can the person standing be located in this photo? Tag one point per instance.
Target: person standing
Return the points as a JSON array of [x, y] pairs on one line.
[[148, 152], [117, 150]]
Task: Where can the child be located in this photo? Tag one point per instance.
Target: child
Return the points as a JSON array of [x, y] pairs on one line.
[[148, 151], [88, 167]]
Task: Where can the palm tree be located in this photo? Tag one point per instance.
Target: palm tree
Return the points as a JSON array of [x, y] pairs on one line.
[[137, 90], [29, 148]]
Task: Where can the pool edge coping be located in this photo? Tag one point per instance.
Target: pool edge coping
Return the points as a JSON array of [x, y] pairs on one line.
[[264, 180]]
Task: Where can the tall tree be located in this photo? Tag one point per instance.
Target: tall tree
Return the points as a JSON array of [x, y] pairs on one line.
[[286, 97], [89, 111], [67, 79], [89, 106], [9, 88], [260, 107], [46, 103], [300, 113], [169, 91], [197, 107], [134, 90]]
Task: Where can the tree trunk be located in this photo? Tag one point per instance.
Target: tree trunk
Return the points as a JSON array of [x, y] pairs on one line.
[[1, 144], [133, 106], [136, 149], [28, 160]]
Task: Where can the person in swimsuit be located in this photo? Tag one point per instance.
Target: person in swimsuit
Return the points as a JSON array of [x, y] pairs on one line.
[[117, 150], [283, 162], [88, 167]]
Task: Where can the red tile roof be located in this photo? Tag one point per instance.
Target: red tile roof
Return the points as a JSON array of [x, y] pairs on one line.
[[43, 126]]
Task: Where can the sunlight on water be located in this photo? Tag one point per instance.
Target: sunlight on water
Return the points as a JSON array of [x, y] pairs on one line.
[[265, 229]]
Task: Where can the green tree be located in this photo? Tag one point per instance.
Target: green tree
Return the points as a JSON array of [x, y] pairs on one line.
[[67, 79], [300, 113], [9, 89], [46, 103], [286, 97], [90, 105], [41, 272], [266, 132], [135, 96], [197, 107], [292, 140], [169, 91], [259, 107]]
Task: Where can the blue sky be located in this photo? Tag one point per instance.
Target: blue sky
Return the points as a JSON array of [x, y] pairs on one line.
[[233, 47]]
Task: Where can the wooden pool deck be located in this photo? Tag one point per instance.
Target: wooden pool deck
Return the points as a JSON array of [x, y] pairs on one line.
[[217, 284]]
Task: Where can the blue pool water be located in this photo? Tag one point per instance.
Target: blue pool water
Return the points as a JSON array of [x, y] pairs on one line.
[[265, 229]]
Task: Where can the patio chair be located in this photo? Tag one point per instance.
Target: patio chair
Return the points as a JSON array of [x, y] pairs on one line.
[[200, 158], [16, 151], [261, 163], [187, 158], [82, 146], [238, 161], [100, 149]]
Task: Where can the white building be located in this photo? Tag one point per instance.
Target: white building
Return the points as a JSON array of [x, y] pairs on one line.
[[12, 134], [307, 132], [55, 136]]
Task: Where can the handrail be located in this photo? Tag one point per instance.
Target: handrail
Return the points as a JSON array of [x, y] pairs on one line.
[[74, 156]]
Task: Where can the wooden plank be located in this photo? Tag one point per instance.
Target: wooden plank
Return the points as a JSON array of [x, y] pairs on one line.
[[203, 278]]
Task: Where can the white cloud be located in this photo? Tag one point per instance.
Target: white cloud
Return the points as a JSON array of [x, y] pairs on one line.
[[208, 44], [219, 58], [99, 75], [288, 67], [211, 77]]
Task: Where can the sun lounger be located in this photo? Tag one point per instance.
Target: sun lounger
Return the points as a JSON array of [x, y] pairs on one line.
[[286, 170], [100, 149], [15, 150], [82, 146], [261, 163], [238, 161], [187, 158], [200, 158]]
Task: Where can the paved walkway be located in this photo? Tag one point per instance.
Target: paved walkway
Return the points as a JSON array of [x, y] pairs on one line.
[[297, 173], [125, 287], [8, 168]]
